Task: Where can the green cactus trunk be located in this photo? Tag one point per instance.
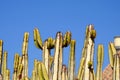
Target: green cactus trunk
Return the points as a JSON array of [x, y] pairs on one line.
[[88, 70], [81, 69], [100, 55], [71, 67], [57, 68], [25, 55], [4, 65], [46, 53]]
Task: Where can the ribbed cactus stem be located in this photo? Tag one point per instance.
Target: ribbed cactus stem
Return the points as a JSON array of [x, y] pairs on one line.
[[100, 56], [66, 39], [71, 66], [36, 69], [51, 43], [25, 78], [16, 64], [37, 39], [44, 72], [33, 75], [1, 52], [25, 55], [58, 57], [14, 77], [89, 53], [81, 69], [7, 76], [40, 72], [112, 51], [4, 64], [118, 68], [64, 72], [46, 53], [19, 72]]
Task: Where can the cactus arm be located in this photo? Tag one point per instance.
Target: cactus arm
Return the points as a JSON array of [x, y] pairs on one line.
[[51, 43], [99, 62], [71, 60], [112, 51], [66, 39], [110, 56], [37, 39], [57, 56]]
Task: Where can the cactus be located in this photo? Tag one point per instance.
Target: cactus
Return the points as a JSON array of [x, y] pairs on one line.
[[1, 52], [52, 68], [64, 73], [66, 39], [16, 63], [114, 61], [7, 76], [58, 57], [90, 36], [112, 51], [4, 64], [25, 55], [37, 39], [71, 61], [100, 55], [81, 69]]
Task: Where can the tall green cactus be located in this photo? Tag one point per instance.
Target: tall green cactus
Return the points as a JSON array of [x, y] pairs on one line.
[[112, 52], [16, 61], [25, 55], [100, 56], [114, 61], [71, 67], [57, 69], [4, 65], [90, 36]]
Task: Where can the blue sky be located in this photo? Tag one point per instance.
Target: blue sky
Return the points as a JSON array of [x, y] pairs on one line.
[[17, 17]]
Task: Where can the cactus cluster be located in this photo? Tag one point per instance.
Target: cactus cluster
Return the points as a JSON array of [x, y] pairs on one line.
[[114, 57], [52, 67]]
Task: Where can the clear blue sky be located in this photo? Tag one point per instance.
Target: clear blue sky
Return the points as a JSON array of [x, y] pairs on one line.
[[17, 17]]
